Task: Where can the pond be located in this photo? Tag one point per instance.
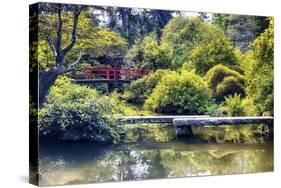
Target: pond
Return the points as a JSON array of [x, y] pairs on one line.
[[148, 153]]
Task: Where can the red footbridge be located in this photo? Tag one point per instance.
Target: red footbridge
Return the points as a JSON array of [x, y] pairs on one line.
[[107, 74]]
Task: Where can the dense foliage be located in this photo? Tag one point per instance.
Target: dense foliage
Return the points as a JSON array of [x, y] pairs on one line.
[[224, 81], [78, 113], [180, 93], [93, 43], [182, 34], [218, 51], [148, 54], [259, 70], [241, 29], [134, 24], [234, 105], [139, 90]]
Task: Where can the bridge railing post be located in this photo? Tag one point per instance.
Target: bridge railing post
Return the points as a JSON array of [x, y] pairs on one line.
[[115, 73], [138, 73], [128, 73], [107, 72]]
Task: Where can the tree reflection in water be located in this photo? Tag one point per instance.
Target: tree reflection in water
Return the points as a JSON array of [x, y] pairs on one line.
[[153, 151], [135, 162]]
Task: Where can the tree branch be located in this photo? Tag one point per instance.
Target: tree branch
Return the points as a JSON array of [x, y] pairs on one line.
[[77, 61], [59, 37], [73, 32], [51, 44], [71, 66]]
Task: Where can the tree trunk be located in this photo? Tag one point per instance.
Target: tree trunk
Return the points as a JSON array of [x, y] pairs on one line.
[[46, 80]]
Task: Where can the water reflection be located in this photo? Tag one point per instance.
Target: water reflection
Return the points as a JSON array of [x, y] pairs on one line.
[[161, 160], [153, 151]]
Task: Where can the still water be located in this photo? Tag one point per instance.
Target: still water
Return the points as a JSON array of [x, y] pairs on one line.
[[148, 155]]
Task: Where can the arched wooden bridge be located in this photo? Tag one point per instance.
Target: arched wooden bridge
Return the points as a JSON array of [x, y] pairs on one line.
[[107, 74]]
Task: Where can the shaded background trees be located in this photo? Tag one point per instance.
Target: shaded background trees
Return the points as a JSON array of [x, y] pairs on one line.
[[134, 24], [241, 29]]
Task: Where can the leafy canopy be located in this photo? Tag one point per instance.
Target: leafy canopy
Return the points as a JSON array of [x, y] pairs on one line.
[[205, 56], [182, 34], [149, 54], [259, 70], [90, 40], [241, 29]]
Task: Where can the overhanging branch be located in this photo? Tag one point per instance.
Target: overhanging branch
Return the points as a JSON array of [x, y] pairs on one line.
[[77, 61], [51, 44], [73, 32], [59, 32]]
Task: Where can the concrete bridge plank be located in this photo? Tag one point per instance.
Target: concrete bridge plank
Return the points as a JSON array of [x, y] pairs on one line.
[[215, 121], [155, 119]]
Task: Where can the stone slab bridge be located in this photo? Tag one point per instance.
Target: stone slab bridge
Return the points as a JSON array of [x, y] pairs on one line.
[[183, 124]]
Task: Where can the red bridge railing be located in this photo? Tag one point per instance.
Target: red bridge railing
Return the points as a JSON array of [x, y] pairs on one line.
[[110, 73]]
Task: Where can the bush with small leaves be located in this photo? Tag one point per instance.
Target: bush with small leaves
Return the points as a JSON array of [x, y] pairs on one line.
[[139, 90], [234, 105], [228, 86], [260, 72], [218, 51], [180, 93], [149, 54], [76, 113], [184, 33], [224, 81]]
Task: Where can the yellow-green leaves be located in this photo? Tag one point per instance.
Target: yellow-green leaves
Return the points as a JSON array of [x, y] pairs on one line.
[[74, 112], [224, 81], [259, 70], [183, 93], [182, 34], [90, 39], [205, 56]]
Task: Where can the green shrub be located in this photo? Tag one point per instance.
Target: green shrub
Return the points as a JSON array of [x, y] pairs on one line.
[[259, 70], [235, 106], [155, 56], [249, 107], [183, 34], [139, 90], [219, 51], [183, 93], [228, 86], [149, 54], [224, 81], [76, 113], [126, 109], [232, 106]]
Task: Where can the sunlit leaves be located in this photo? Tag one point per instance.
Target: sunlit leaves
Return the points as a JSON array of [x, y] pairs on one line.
[[218, 51], [138, 91], [259, 72], [74, 112], [149, 54], [182, 93], [224, 81], [182, 34], [90, 39]]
